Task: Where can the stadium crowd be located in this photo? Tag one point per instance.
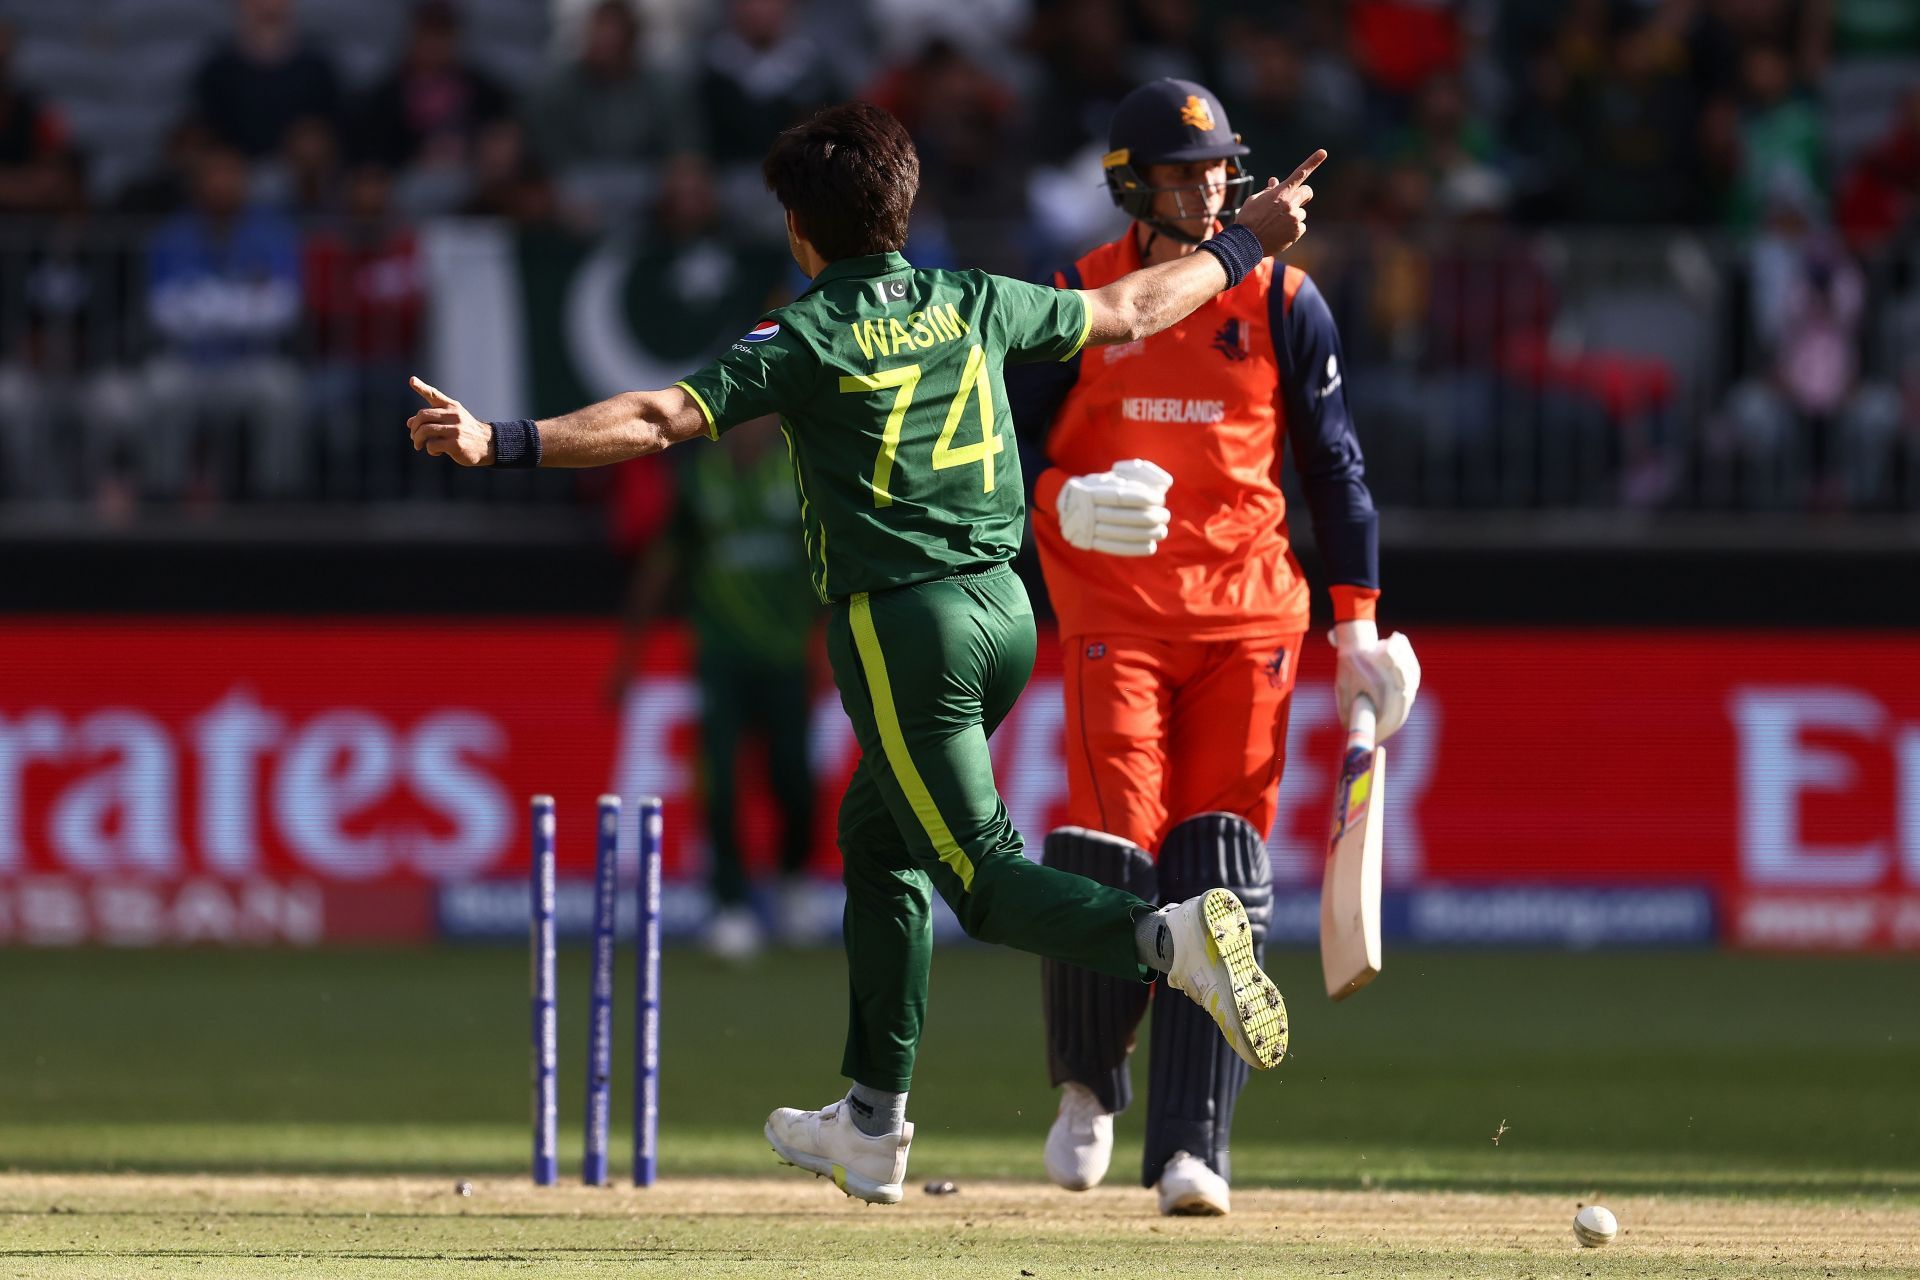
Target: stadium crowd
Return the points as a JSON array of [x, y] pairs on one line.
[[1583, 251]]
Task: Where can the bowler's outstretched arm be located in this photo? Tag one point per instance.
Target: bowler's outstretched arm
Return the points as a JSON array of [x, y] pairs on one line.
[[629, 425]]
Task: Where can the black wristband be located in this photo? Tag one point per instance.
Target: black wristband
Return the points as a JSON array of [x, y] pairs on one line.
[[516, 443], [1238, 250]]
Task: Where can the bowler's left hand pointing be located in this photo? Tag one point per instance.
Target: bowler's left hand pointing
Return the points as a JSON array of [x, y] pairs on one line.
[[445, 429]]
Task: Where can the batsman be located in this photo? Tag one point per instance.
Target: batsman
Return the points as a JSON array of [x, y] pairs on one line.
[[889, 386], [1162, 533]]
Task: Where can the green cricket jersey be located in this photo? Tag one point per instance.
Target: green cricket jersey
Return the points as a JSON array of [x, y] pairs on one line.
[[888, 384], [735, 525]]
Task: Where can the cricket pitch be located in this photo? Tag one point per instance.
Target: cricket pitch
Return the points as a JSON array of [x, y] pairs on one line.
[[85, 1225]]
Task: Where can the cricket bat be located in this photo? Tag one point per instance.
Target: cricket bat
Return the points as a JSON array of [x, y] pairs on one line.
[[1350, 887]]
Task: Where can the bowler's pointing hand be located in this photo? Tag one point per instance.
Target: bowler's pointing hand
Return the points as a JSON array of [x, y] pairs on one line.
[[445, 429], [1278, 215]]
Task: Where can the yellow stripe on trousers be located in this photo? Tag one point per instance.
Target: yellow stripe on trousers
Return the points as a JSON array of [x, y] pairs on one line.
[[894, 743]]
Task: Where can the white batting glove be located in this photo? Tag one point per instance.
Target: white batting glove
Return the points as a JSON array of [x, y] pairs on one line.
[[1384, 670], [1121, 512]]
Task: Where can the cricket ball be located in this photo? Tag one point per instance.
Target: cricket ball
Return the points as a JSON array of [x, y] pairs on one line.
[[1594, 1226]]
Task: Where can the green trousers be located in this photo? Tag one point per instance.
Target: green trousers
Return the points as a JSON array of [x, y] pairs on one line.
[[926, 673], [740, 692]]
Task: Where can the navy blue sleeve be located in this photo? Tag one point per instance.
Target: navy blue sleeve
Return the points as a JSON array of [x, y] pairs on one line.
[[1036, 391], [1325, 449]]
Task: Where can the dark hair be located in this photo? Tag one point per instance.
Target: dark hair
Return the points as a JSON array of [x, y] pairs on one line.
[[848, 174]]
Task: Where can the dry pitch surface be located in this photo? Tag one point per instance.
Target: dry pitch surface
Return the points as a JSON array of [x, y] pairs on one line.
[[144, 1225]]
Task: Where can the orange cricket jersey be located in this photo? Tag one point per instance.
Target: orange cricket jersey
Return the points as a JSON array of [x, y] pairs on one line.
[[1203, 401]]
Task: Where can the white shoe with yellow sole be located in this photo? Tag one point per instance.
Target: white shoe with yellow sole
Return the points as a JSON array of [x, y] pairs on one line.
[[1213, 965], [828, 1143]]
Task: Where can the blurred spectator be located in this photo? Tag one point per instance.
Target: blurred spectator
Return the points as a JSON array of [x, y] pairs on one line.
[[690, 275], [1378, 281], [1809, 304], [509, 183], [697, 279], [1625, 113], [365, 291], [1633, 117], [603, 108], [1169, 40], [254, 86], [1485, 285], [1542, 151], [224, 303], [500, 162], [1779, 135], [1445, 139], [1798, 31], [169, 185], [33, 143], [760, 77], [1875, 27], [1399, 46], [1084, 45], [429, 109], [1272, 102], [1399, 284], [973, 165], [983, 28], [534, 204], [67, 339], [307, 183], [1879, 199]]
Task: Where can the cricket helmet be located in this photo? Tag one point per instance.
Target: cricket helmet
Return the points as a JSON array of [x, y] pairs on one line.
[[1172, 121]]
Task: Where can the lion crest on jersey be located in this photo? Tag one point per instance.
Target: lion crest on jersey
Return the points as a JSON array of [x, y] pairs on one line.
[[1231, 340], [1197, 114]]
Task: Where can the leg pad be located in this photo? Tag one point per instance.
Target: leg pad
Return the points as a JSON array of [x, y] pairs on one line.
[[1090, 1017], [1193, 1078]]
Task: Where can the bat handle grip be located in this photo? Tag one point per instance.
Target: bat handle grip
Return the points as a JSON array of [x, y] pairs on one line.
[[1360, 724]]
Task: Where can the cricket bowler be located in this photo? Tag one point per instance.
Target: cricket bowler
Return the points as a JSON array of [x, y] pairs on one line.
[[1162, 534], [888, 382]]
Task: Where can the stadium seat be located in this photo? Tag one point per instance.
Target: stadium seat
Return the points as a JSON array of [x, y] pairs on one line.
[[1860, 96], [1897, 351], [508, 38], [137, 21], [52, 19], [160, 68], [1651, 322], [64, 69]]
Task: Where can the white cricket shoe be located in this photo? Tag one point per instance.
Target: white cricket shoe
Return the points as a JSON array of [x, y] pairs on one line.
[[828, 1143], [1213, 965], [734, 935], [1080, 1144], [1189, 1189]]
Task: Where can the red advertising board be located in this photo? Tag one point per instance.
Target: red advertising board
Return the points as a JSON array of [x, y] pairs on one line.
[[293, 781]]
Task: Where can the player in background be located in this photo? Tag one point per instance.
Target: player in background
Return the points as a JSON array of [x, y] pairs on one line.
[[1162, 534], [733, 542], [888, 382]]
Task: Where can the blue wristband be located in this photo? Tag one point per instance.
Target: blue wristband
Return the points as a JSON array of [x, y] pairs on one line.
[[516, 443], [1238, 250]]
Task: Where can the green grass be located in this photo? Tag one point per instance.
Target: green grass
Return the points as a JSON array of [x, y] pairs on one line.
[[1783, 1090], [1621, 1072]]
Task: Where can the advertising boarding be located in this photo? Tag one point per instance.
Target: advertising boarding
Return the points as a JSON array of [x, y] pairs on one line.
[[292, 783]]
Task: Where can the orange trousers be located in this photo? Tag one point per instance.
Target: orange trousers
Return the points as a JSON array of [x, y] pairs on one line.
[[1159, 730]]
